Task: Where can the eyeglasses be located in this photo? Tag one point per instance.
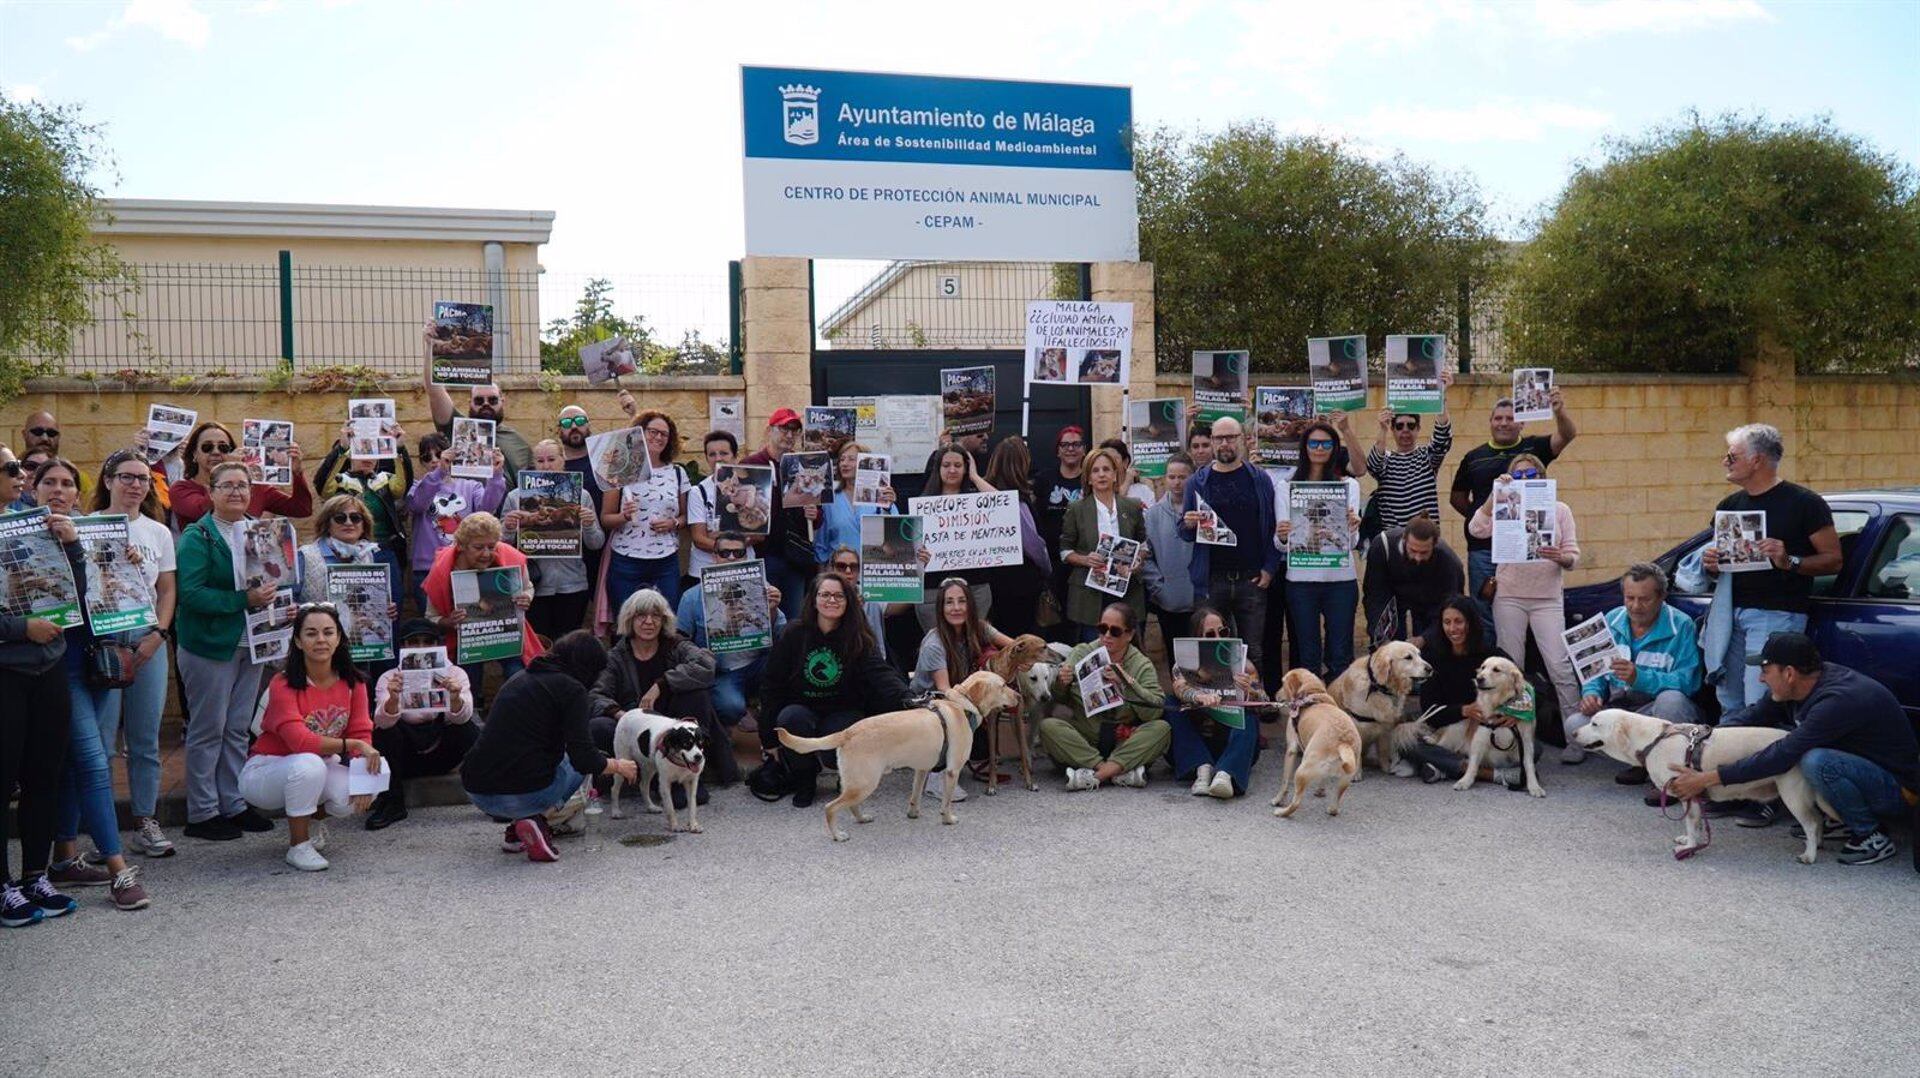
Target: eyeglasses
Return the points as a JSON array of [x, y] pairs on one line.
[[132, 478], [43, 432], [1731, 458], [1527, 473], [1072, 445], [216, 447], [486, 400], [568, 422], [1114, 630], [661, 431], [1313, 443], [829, 597], [729, 552], [232, 488], [349, 518], [649, 615]]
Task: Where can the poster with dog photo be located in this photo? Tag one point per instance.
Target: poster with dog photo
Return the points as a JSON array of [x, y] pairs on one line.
[[825, 430], [1079, 342], [608, 360], [735, 600], [1097, 692], [264, 553], [492, 629], [167, 428], [375, 427], [266, 448], [872, 474], [1414, 363], [118, 595], [270, 630], [1220, 384], [1211, 530], [966, 400], [1524, 519], [890, 559], [1280, 417], [550, 521], [471, 449], [461, 340], [1738, 536], [1532, 394], [619, 457], [1118, 560], [746, 497], [1156, 430], [1591, 647], [36, 580], [423, 679], [1214, 665], [1320, 536], [361, 594], [805, 479], [1338, 366]]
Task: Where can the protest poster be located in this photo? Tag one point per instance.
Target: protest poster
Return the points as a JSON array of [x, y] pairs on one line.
[[471, 449], [728, 414], [1220, 384], [1210, 530], [461, 340], [264, 552], [492, 629], [966, 400], [619, 457], [1281, 415], [550, 515], [270, 629], [1097, 693], [1338, 367], [1414, 363], [889, 559], [1211, 664], [872, 474], [735, 598], [266, 448], [969, 531], [746, 497], [118, 595], [1591, 647], [1156, 430], [376, 428], [806, 479], [827, 429], [423, 679], [36, 580], [1524, 519], [361, 594], [1079, 342], [1118, 559], [1532, 394], [167, 428], [607, 361], [1738, 536], [903, 426], [1320, 536]]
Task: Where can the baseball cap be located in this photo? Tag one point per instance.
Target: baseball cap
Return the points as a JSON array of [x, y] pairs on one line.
[[1787, 649], [784, 417], [413, 627]]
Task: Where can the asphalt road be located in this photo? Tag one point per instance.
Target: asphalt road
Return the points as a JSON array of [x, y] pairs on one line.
[[1118, 932]]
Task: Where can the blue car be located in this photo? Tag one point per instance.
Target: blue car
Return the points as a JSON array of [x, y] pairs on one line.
[[1866, 616]]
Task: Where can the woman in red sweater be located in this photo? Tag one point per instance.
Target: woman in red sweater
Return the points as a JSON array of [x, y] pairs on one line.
[[211, 444], [316, 717]]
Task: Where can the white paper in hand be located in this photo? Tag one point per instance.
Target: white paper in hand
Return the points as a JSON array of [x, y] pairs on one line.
[[359, 782]]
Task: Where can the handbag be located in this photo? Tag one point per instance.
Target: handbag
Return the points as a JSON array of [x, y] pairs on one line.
[[1046, 613], [111, 665]]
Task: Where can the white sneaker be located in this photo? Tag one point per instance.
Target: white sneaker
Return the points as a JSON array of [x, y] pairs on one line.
[[1222, 786], [1510, 777], [959, 790], [148, 839], [1202, 778], [317, 835], [305, 858], [1136, 779], [1572, 754], [1081, 778]]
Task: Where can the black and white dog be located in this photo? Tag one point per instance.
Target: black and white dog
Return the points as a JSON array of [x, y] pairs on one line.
[[675, 750]]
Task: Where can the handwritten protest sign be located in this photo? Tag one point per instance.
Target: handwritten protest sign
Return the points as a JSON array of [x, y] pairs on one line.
[[970, 531]]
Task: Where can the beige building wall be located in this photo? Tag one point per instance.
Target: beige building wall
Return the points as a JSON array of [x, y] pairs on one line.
[[905, 303]]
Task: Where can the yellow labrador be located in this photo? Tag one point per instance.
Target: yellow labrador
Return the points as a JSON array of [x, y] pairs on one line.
[[1323, 743], [1499, 689], [1373, 690]]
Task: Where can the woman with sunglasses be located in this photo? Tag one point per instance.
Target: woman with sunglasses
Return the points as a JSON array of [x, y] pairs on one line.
[[1407, 472], [1321, 602], [1529, 597], [837, 522], [381, 486], [561, 586], [126, 487], [316, 719], [440, 501], [13, 482], [1116, 745], [1102, 511], [643, 520], [340, 537], [1207, 745], [209, 445]]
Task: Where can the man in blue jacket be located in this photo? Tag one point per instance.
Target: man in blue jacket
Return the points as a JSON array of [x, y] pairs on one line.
[[1846, 731], [1234, 576], [1664, 670]]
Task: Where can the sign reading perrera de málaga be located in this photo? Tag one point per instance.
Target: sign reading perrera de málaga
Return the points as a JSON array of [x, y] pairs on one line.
[[843, 164]]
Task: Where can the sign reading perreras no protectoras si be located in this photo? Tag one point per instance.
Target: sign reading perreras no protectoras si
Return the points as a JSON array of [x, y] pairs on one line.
[[843, 164]]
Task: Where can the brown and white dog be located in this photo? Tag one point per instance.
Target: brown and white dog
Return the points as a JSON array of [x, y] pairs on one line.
[[1323, 743], [1014, 664], [1374, 690], [922, 738]]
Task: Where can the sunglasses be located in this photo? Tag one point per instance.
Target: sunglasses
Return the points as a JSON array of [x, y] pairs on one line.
[[216, 447], [1527, 473], [486, 400], [43, 432], [1213, 634], [1406, 426], [1312, 443], [349, 518], [317, 606], [571, 421], [729, 552], [846, 566], [13, 468], [1114, 630]]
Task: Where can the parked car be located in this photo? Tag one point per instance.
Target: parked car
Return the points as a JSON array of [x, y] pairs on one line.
[[1866, 616]]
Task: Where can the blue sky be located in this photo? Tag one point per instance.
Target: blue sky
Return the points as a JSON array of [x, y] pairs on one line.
[[623, 117]]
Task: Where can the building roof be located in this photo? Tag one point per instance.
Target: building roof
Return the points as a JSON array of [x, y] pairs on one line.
[[181, 217], [868, 292]]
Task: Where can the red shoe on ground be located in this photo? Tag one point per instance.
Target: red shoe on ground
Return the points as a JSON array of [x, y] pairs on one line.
[[532, 833]]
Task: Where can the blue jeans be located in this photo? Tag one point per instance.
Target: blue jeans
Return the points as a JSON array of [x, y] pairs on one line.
[[1480, 569], [1670, 704], [520, 806], [136, 709], [730, 688], [1311, 602], [627, 575], [86, 787], [1741, 686], [1861, 791], [1234, 755]]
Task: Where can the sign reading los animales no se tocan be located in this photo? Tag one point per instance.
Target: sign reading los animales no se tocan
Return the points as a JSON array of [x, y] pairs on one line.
[[844, 164]]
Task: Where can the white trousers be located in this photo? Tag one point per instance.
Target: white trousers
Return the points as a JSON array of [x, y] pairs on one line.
[[297, 784], [1512, 618]]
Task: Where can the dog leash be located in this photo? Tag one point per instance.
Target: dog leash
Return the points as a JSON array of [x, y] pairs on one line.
[[1696, 735]]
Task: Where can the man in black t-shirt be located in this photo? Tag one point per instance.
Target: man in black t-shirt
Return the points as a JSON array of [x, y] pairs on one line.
[[1473, 482], [1054, 492], [1801, 543]]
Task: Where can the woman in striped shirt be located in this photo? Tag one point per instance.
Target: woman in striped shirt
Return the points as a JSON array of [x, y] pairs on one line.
[[1406, 473]]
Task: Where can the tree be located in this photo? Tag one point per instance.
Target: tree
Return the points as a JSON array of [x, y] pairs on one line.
[[693, 355], [1260, 241], [49, 265], [592, 320], [1697, 246]]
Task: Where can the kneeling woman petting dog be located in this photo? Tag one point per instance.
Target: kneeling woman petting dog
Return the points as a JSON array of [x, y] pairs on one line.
[[1218, 757], [1450, 695], [535, 750], [1118, 744], [654, 668]]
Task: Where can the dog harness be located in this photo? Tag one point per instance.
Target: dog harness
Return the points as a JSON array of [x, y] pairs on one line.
[[1696, 735], [974, 719]]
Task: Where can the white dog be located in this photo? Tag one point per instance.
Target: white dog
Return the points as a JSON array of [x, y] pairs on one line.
[[671, 752], [1502, 689]]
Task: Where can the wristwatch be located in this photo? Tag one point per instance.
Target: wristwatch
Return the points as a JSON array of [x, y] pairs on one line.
[[1793, 563]]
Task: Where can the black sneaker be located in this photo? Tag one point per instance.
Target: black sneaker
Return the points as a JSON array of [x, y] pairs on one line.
[[804, 795], [1430, 774], [217, 829], [1871, 850], [1632, 776], [1831, 831], [249, 820], [41, 893], [1756, 814], [16, 910], [388, 809]]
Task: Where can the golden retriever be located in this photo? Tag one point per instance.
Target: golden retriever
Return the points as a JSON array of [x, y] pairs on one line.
[[1373, 690], [1323, 743], [1499, 687]]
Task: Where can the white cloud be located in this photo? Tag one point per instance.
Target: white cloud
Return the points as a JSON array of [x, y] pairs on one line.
[[1489, 121], [174, 20], [1594, 18], [25, 91], [1311, 46]]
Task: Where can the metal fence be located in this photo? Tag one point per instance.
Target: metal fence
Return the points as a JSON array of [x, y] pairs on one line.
[[924, 305]]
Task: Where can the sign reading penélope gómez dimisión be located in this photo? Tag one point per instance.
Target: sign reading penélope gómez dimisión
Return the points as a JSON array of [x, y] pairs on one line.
[[844, 164]]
